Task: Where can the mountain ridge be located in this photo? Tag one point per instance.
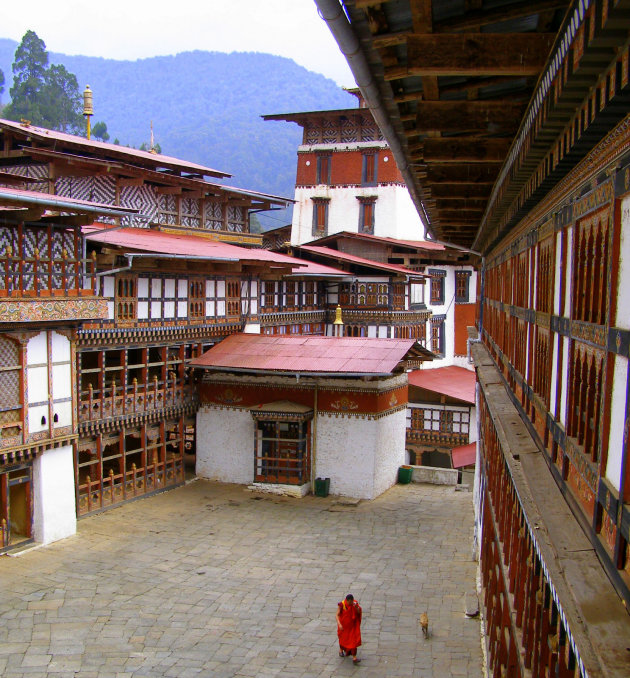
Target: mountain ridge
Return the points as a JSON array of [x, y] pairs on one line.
[[205, 107]]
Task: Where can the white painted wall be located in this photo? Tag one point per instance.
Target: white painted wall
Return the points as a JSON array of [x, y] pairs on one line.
[[225, 445], [394, 213], [360, 456], [623, 289], [54, 512], [617, 422]]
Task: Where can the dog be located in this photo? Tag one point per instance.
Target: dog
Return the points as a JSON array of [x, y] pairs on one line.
[[424, 623]]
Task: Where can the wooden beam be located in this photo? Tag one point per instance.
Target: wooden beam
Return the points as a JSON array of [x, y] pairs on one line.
[[459, 215], [465, 150], [474, 54], [460, 190], [462, 174], [457, 202], [136, 181], [168, 190], [494, 117], [474, 20]]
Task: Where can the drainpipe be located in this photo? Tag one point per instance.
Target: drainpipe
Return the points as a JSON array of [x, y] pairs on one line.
[[335, 17], [314, 444]]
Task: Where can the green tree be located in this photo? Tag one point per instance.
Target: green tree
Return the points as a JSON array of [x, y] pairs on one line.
[[47, 96], [29, 70], [1, 84], [62, 102], [99, 131]]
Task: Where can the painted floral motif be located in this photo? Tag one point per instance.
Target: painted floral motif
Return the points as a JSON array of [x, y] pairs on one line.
[[344, 404], [228, 397]]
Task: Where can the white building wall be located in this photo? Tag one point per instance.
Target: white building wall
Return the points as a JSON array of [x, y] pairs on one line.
[[54, 511], [394, 212], [225, 445], [617, 422], [623, 289], [390, 452]]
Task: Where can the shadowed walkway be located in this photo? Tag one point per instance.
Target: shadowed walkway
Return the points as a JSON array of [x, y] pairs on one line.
[[213, 580]]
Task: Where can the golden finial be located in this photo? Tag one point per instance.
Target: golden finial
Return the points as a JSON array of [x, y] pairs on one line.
[[338, 319], [88, 108]]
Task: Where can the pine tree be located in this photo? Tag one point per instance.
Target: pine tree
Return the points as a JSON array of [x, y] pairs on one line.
[[46, 96]]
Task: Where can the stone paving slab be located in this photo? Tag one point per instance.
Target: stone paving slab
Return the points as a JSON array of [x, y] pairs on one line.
[[213, 580]]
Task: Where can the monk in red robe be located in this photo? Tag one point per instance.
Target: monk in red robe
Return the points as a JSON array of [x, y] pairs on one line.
[[349, 615]]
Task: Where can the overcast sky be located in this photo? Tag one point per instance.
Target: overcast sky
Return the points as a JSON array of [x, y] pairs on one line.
[[134, 29]]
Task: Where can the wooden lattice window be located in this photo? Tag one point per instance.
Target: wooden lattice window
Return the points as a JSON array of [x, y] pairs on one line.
[[545, 274], [542, 371], [437, 286], [233, 298], [10, 388], [366, 215], [585, 396], [320, 216], [368, 174], [521, 283], [437, 335], [309, 294], [462, 284], [126, 298], [590, 269], [398, 292], [196, 299], [324, 163]]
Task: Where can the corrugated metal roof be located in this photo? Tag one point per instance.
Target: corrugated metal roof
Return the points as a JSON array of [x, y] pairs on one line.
[[24, 198], [452, 381], [147, 240], [306, 354], [155, 159], [352, 259], [412, 244], [465, 455], [311, 268]]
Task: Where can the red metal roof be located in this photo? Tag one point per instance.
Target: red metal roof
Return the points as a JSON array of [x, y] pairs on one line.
[[154, 159], [23, 198], [411, 244], [452, 381], [464, 455], [352, 259], [194, 246], [309, 354], [312, 268]]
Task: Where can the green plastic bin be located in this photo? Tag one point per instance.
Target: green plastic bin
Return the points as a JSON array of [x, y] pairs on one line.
[[322, 487], [404, 475]]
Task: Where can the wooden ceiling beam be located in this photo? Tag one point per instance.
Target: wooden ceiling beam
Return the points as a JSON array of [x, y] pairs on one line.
[[457, 201], [461, 174], [460, 191], [476, 19], [493, 117], [474, 54], [465, 150]]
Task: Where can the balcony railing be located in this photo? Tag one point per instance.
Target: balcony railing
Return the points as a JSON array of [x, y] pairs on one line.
[[39, 276], [120, 400]]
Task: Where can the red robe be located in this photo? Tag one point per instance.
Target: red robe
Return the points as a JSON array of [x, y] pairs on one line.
[[350, 618]]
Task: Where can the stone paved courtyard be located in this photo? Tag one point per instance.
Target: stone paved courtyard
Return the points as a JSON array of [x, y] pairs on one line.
[[214, 580]]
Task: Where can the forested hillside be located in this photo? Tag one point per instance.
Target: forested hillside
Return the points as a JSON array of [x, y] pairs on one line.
[[205, 107]]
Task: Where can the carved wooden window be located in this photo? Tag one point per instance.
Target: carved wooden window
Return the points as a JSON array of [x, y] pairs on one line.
[[196, 299], [436, 420], [324, 163], [437, 286], [542, 370], [368, 172], [309, 294], [367, 208], [521, 283], [10, 388], [585, 396], [437, 335], [233, 298], [398, 293], [462, 285], [126, 298], [290, 295], [545, 274], [320, 216], [590, 268], [190, 212]]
